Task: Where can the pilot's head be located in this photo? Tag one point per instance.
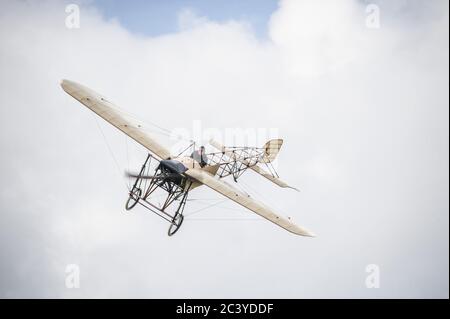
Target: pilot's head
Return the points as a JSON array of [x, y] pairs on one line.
[[202, 149]]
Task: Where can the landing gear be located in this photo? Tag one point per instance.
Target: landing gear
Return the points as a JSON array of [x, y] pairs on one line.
[[166, 183], [133, 198], [176, 224]]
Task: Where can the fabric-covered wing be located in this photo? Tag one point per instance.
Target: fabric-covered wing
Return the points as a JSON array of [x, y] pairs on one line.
[[271, 178], [111, 114], [245, 200]]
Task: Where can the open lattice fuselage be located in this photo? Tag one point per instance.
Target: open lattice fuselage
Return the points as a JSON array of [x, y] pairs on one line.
[[222, 164]]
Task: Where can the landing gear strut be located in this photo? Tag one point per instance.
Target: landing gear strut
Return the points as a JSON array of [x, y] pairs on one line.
[[172, 186]]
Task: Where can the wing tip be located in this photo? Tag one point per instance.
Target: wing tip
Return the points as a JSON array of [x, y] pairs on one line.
[[307, 233], [294, 188], [63, 83], [310, 234], [67, 85], [304, 232]]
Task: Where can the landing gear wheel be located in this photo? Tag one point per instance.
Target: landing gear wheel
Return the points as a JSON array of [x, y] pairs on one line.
[[176, 224], [135, 194]]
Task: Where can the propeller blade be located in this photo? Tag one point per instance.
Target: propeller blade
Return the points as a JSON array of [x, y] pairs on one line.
[[133, 175]]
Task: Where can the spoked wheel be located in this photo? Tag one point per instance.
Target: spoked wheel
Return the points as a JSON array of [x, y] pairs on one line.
[[135, 194], [176, 224]]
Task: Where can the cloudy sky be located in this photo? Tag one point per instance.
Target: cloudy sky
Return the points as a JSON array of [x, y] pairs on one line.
[[358, 90]]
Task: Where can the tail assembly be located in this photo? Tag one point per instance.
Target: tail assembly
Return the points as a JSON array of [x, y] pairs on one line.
[[270, 152], [271, 149]]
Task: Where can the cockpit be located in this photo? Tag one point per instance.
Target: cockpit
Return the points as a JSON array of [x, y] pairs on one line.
[[200, 156]]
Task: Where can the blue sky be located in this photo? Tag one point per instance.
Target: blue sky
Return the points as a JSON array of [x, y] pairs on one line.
[[153, 18]]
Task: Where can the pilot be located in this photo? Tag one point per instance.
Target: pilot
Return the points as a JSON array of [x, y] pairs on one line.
[[200, 156]]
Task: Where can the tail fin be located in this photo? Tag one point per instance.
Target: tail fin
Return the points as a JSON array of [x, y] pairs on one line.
[[271, 149]]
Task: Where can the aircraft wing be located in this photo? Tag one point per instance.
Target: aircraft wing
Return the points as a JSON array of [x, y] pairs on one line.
[[105, 109], [255, 168], [245, 200], [271, 178]]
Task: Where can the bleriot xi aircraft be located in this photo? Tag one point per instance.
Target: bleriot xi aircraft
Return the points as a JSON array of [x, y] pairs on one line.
[[175, 176]]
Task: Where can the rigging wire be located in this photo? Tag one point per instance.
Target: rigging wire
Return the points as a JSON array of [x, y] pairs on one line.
[[219, 202], [163, 131], [128, 162], [205, 200], [110, 150], [142, 125], [206, 207], [220, 218], [261, 197]]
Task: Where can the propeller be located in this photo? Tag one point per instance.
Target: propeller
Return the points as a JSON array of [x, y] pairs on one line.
[[164, 176]]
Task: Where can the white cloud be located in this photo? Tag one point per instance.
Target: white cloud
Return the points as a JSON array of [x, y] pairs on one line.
[[364, 114]]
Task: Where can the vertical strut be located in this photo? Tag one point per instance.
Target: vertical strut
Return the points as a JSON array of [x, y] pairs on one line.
[[176, 189]]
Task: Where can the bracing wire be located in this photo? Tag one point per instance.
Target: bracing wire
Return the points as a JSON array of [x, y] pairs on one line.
[[260, 196], [217, 203], [162, 130], [206, 207], [128, 163], [110, 150]]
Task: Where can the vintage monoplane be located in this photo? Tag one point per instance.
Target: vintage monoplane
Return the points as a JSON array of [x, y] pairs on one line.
[[176, 176]]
